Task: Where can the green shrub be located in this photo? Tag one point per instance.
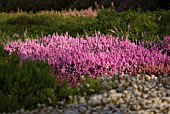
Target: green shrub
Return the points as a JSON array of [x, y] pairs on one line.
[[37, 19], [137, 24], [88, 85], [162, 18], [37, 24], [8, 103], [23, 20], [27, 85]]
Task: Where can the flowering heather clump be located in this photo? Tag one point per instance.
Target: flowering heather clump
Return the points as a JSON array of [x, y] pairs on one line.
[[96, 55], [84, 13], [165, 45], [162, 45]]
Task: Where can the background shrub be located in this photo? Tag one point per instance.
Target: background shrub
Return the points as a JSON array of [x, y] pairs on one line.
[[137, 24], [38, 24], [162, 18], [99, 54]]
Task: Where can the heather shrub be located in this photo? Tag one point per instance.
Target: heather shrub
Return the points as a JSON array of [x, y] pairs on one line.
[[166, 45], [89, 12], [24, 86], [162, 19], [161, 45], [32, 20], [155, 69], [21, 20], [94, 56], [136, 24], [38, 24], [8, 103]]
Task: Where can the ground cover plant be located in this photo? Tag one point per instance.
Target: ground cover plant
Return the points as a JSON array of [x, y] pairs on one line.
[[94, 56], [23, 87], [37, 24], [74, 12], [77, 57], [71, 58], [137, 24], [32, 83], [146, 25]]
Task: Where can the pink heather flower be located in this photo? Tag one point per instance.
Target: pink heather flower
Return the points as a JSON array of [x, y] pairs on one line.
[[95, 55]]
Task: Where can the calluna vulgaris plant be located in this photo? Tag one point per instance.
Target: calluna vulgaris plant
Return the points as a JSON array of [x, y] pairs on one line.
[[96, 55], [84, 13]]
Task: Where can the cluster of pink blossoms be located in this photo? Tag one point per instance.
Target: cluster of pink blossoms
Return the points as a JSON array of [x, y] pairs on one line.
[[95, 55]]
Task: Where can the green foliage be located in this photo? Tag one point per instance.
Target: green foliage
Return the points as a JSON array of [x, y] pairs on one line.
[[23, 20], [137, 24], [94, 84], [27, 85], [87, 85], [8, 103], [162, 18], [38, 24], [64, 91]]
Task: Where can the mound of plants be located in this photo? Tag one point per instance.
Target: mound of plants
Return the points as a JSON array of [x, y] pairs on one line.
[[37, 24], [89, 12], [28, 84], [23, 86], [94, 56], [137, 24]]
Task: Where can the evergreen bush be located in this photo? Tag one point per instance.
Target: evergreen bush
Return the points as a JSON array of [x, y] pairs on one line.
[[23, 86]]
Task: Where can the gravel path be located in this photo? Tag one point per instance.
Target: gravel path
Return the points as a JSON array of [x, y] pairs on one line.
[[142, 94]]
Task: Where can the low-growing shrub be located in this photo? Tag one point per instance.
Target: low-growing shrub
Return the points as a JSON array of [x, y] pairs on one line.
[[38, 24], [22, 20], [87, 85], [28, 84], [96, 55], [136, 24], [162, 19], [163, 45], [8, 103], [23, 86]]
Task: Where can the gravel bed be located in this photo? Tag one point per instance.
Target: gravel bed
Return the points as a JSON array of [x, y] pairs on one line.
[[141, 94]]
